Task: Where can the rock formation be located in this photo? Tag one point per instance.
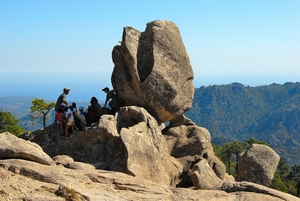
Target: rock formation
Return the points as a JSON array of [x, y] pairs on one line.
[[152, 70], [131, 155], [132, 142], [32, 179], [147, 151], [258, 164], [13, 147], [190, 144]]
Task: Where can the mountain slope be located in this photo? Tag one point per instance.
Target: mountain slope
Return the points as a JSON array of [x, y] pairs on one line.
[[16, 105], [234, 111]]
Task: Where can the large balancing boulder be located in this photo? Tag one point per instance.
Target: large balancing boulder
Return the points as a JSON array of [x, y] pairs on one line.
[[152, 70]]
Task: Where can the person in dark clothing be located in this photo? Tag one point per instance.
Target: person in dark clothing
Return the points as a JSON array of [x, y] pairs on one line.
[[81, 111], [74, 106], [94, 111], [79, 120], [111, 99]]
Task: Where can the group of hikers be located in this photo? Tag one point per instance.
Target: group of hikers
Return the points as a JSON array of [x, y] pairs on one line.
[[69, 118]]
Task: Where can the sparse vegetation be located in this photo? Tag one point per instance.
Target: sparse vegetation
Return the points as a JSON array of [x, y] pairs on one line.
[[40, 110], [8, 123], [284, 180]]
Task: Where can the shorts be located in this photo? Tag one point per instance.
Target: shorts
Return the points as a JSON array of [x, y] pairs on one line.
[[70, 123]]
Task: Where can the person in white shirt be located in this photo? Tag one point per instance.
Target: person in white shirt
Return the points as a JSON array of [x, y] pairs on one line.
[[69, 121]]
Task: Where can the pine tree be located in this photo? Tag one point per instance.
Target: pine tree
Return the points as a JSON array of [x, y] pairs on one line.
[[8, 123], [40, 110]]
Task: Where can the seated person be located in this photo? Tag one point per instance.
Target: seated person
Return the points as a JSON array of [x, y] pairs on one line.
[[81, 111], [74, 106], [94, 111], [69, 121], [79, 121]]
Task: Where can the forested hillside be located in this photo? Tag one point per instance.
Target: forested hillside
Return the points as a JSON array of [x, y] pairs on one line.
[[270, 113]]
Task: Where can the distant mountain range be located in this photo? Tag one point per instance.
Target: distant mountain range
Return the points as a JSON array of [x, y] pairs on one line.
[[234, 111], [230, 112], [18, 106]]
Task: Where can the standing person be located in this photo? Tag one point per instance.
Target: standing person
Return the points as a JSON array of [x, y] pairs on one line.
[[59, 118], [62, 99], [110, 94]]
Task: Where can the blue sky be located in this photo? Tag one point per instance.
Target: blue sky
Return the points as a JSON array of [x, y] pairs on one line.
[[49, 44]]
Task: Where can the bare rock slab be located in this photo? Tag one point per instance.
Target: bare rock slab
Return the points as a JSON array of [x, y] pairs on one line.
[[14, 147]]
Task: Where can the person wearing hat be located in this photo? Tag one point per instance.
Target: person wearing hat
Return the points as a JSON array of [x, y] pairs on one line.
[[62, 99]]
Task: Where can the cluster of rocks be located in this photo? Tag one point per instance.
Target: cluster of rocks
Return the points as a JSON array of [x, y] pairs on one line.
[[133, 165], [134, 155]]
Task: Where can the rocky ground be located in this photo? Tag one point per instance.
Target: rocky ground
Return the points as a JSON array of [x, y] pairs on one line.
[[28, 174], [111, 186]]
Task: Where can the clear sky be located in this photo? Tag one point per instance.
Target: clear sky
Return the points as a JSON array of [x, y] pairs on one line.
[[46, 45]]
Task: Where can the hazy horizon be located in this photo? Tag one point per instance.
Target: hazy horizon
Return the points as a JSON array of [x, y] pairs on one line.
[[48, 45], [85, 93]]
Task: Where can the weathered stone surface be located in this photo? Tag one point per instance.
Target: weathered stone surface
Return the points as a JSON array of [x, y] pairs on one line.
[[25, 179], [258, 165], [14, 147], [148, 156], [139, 149], [18, 187], [152, 70], [203, 177], [63, 159], [189, 144], [256, 189], [228, 178], [100, 144], [80, 166]]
